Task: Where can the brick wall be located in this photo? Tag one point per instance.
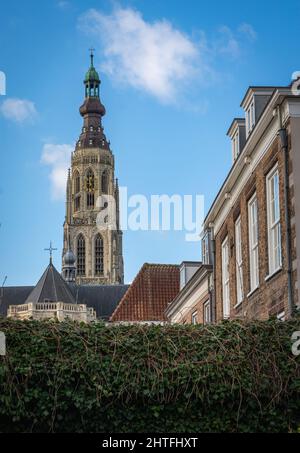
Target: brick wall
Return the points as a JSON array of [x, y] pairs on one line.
[[271, 296], [199, 308]]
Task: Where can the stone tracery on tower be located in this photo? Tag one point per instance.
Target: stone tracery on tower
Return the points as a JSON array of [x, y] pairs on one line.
[[99, 258]]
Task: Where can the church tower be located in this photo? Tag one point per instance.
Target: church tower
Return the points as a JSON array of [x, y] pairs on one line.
[[98, 251]]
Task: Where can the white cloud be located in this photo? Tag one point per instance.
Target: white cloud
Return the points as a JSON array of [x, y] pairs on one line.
[[228, 43], [58, 158], [63, 4], [248, 31], [154, 57], [19, 110]]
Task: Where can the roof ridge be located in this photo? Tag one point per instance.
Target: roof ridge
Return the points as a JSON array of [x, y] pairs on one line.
[[42, 279], [53, 280], [65, 284]]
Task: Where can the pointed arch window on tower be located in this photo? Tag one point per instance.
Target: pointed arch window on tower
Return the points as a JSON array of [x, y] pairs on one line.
[[76, 191], [80, 255], [90, 189], [99, 254], [104, 182]]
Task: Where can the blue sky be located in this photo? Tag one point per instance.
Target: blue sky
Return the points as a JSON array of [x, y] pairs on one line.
[[173, 74]]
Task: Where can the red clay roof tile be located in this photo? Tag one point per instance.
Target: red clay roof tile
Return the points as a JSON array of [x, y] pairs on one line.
[[149, 294]]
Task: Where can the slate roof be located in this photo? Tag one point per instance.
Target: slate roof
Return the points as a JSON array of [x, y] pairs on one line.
[[13, 295], [103, 298], [51, 288], [154, 287]]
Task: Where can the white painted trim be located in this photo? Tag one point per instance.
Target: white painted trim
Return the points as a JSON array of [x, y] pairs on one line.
[[253, 246], [268, 277], [256, 146], [244, 176], [270, 228], [252, 292], [225, 279], [239, 262]]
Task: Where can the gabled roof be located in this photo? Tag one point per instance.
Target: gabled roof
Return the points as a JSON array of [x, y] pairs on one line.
[[149, 294], [103, 298], [265, 90], [51, 288], [236, 122]]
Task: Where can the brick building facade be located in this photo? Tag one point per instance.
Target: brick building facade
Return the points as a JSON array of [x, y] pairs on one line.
[[251, 234], [193, 303]]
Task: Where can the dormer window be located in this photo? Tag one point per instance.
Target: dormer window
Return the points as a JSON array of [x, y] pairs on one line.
[[250, 117], [237, 134], [236, 146], [187, 270], [84, 129]]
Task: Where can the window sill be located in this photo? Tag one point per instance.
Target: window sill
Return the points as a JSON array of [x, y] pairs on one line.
[[253, 291], [268, 277], [239, 304]]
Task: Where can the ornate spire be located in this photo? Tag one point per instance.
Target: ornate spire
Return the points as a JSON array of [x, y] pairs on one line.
[[69, 197], [92, 79], [92, 110]]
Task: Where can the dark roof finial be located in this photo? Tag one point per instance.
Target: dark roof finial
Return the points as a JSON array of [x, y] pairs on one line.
[[50, 250], [92, 56]]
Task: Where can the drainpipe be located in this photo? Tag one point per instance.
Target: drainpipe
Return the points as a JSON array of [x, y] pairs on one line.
[[213, 291], [284, 147]]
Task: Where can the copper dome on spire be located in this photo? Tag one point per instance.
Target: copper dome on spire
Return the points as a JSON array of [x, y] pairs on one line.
[[92, 111], [92, 103], [92, 75]]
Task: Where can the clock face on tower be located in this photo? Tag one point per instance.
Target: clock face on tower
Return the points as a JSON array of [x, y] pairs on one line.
[[89, 183], [91, 173]]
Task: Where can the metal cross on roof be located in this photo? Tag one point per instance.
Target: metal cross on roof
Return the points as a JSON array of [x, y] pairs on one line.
[[92, 55], [50, 250]]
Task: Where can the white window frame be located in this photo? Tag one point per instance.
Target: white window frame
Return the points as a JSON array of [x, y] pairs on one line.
[[206, 241], [239, 262], [248, 121], [281, 316], [273, 216], [182, 277], [252, 110], [207, 312], [195, 318], [225, 279], [253, 243], [250, 117], [236, 146]]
